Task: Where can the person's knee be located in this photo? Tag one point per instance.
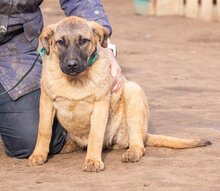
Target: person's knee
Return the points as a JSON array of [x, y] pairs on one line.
[[21, 147], [20, 125], [22, 144]]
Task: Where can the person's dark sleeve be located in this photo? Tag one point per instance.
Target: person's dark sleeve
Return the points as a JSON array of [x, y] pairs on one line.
[[88, 9]]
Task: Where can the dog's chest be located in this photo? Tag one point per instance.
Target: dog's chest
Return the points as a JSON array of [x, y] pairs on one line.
[[74, 116], [68, 108]]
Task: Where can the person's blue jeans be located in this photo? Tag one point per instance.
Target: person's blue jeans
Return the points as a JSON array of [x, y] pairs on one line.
[[19, 125]]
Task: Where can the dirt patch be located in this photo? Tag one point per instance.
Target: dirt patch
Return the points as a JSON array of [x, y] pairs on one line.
[[176, 61]]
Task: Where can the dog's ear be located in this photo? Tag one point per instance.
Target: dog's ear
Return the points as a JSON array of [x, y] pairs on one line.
[[46, 37], [100, 32]]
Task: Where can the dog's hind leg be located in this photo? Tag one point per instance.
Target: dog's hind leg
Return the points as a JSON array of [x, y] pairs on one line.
[[136, 112], [69, 146]]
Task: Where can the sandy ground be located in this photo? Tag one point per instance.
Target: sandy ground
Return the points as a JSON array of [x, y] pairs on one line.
[[177, 62]]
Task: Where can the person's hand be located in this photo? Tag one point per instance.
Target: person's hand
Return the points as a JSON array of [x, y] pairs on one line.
[[115, 72]]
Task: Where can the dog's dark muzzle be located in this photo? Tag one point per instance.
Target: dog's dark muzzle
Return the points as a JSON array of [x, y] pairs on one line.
[[72, 67]]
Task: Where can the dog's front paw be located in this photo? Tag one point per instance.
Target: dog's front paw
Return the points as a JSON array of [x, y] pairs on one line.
[[132, 155], [35, 160], [91, 165]]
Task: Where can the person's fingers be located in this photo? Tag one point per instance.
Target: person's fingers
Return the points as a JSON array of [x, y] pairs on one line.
[[114, 80], [115, 72], [114, 90], [118, 83], [116, 87]]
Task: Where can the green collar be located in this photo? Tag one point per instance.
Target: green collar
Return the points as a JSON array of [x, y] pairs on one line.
[[92, 58]]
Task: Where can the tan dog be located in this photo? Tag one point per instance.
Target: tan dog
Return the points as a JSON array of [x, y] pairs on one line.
[[79, 95]]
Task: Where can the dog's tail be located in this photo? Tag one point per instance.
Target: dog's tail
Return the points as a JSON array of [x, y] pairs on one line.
[[174, 143]]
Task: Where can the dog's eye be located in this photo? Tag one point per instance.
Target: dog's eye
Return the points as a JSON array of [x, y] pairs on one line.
[[83, 41], [61, 42]]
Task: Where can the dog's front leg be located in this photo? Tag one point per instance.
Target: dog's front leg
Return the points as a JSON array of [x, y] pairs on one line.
[[93, 161], [47, 113]]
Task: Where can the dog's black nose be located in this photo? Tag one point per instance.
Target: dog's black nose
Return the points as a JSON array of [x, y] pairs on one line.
[[72, 64]]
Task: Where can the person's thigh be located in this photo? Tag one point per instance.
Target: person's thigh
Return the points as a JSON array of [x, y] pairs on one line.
[[19, 125]]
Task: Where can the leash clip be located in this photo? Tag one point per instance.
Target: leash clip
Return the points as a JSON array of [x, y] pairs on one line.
[[42, 52]]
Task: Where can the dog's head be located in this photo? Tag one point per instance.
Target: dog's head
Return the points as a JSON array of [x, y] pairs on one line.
[[73, 40]]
